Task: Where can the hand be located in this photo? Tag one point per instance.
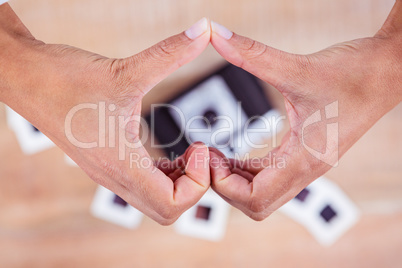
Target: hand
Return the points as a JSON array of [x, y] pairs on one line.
[[352, 85], [74, 97]]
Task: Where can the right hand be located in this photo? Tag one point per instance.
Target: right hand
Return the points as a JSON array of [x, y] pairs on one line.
[[351, 85]]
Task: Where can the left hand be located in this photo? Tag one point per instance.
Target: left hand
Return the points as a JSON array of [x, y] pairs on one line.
[[90, 106]]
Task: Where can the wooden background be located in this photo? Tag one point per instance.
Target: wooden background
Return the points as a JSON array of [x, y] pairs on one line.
[[44, 204]]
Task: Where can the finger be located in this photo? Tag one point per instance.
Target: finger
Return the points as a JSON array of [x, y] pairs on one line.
[[155, 63], [165, 199], [219, 167], [231, 202], [245, 174], [176, 174], [189, 188], [168, 167], [217, 152], [271, 188], [165, 165], [250, 166], [232, 186], [191, 149], [267, 63], [255, 165]]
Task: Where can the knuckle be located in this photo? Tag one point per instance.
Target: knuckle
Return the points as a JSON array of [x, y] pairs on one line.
[[168, 215], [166, 222], [288, 183], [314, 167], [165, 48], [259, 210], [310, 165], [257, 205], [253, 49], [258, 216]]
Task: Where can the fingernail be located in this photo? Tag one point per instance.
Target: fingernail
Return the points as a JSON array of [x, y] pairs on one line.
[[197, 29], [221, 30]]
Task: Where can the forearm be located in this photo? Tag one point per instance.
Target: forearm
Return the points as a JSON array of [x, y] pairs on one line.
[[391, 33], [18, 57]]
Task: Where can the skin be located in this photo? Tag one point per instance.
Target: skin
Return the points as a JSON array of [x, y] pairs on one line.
[[43, 82], [363, 76], [364, 89]]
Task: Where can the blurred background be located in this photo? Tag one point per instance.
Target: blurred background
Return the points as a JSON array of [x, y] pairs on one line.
[[45, 219]]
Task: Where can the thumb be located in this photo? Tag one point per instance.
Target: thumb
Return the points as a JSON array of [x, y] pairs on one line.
[[271, 65], [189, 188], [157, 62]]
